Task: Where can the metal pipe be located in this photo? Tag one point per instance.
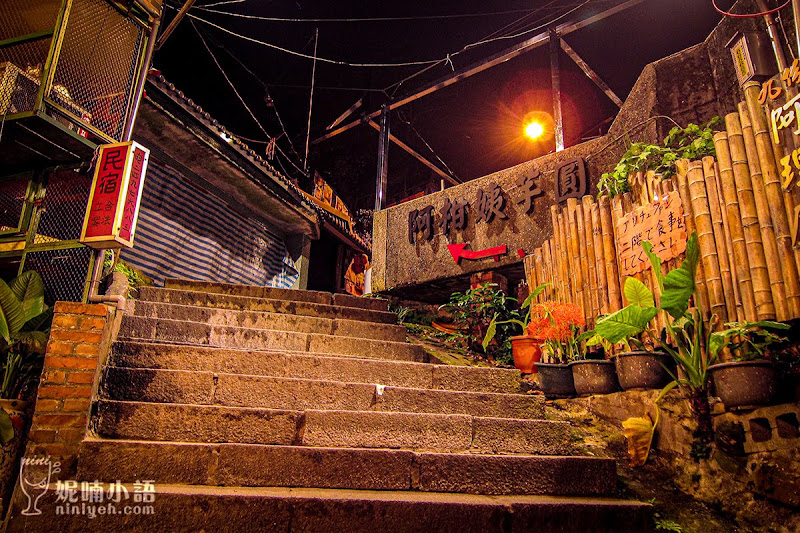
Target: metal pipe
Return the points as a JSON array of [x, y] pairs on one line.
[[311, 97], [773, 36], [796, 12], [94, 284], [137, 96], [383, 158], [555, 77]]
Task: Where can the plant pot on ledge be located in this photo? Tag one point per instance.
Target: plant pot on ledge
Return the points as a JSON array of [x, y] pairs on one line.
[[594, 376], [643, 370], [555, 380], [527, 351], [745, 384]]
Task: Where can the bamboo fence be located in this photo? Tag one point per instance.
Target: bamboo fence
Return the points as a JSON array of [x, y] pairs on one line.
[[743, 218]]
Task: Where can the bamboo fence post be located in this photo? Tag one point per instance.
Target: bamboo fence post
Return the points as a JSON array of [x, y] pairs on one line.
[[681, 176], [566, 256], [652, 181], [530, 273], [547, 262], [668, 187], [770, 244], [705, 240], [576, 218], [735, 228], [591, 254], [616, 215], [610, 255], [537, 261], [559, 283], [775, 198], [600, 261], [720, 241], [737, 299]]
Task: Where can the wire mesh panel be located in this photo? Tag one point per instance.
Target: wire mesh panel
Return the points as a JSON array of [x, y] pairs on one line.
[[21, 65], [63, 272], [97, 65], [12, 201], [64, 207]]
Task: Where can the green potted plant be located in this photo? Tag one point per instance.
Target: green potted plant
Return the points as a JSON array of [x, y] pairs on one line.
[[637, 367], [750, 378], [558, 325], [525, 348], [24, 329]]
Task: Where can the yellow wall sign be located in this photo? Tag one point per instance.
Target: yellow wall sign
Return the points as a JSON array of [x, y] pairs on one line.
[[113, 208]]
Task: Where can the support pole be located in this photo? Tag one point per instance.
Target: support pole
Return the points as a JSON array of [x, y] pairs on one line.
[[174, 24], [383, 158], [796, 12], [555, 76], [311, 97], [773, 36]]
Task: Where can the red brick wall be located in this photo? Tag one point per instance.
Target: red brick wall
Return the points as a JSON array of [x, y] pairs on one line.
[[69, 379]]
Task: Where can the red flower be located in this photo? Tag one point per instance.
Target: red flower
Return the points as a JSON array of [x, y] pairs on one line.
[[555, 321]]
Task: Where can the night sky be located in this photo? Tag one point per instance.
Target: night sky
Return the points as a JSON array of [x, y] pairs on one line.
[[475, 126]]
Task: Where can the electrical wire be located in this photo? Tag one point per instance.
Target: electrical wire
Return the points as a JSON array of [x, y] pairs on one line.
[[749, 15], [402, 117], [220, 3], [367, 19]]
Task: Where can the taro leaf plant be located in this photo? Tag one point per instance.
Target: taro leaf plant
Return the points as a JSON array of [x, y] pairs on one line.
[[748, 341], [520, 321], [24, 329], [475, 309], [691, 142]]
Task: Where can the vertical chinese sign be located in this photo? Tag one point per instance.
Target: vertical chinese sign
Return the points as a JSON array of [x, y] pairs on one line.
[[113, 208]]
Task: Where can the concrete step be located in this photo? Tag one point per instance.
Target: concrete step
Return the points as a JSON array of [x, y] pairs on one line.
[[314, 366], [272, 321], [185, 509], [327, 298], [329, 428], [345, 468], [197, 333], [237, 390], [269, 305]]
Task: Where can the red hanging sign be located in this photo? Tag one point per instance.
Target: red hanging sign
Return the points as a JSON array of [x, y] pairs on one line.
[[113, 207]]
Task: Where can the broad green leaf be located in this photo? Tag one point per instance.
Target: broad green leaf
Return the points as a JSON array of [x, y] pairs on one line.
[[638, 294], [490, 333], [666, 389], [11, 312], [716, 342], [655, 261], [29, 290], [40, 322], [534, 293], [6, 428], [625, 323], [679, 283]]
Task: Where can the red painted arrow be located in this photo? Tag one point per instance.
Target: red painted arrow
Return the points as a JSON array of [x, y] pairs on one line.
[[458, 252]]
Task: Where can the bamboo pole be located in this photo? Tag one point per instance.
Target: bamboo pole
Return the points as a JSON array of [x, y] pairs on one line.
[[559, 281], [567, 255], [575, 209], [537, 262], [610, 255], [775, 198], [705, 240], [681, 176], [735, 220], [776, 283], [652, 184], [616, 215], [530, 271], [737, 298], [591, 255], [720, 241], [547, 264], [600, 260]]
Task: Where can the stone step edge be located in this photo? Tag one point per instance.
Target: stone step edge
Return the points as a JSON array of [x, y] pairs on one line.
[[385, 468], [321, 297], [329, 309], [331, 321], [267, 330], [288, 355], [376, 386]]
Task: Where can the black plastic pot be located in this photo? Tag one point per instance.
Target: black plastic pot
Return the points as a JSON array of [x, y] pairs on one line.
[[643, 370], [594, 376], [745, 384], [556, 380]]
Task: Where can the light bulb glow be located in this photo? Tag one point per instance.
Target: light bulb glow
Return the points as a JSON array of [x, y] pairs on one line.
[[534, 130]]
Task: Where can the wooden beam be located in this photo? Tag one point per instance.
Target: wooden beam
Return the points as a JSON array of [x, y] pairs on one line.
[[592, 75], [450, 179], [352, 109], [497, 59], [174, 23]]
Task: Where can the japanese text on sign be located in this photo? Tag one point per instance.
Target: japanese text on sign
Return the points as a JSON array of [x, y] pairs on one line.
[[661, 224]]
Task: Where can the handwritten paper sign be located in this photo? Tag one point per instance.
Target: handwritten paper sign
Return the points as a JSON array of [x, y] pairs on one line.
[[660, 223]]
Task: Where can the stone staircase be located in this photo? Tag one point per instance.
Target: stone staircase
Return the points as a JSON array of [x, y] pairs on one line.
[[257, 409]]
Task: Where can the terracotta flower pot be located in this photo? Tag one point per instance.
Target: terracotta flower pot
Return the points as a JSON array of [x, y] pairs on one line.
[[642, 370], [9, 461], [594, 376], [744, 384], [527, 351], [556, 380]]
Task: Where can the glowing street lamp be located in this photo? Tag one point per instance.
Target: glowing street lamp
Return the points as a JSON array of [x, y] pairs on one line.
[[534, 130]]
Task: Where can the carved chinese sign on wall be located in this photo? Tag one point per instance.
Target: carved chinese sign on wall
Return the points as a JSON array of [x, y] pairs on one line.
[[492, 202], [661, 224]]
